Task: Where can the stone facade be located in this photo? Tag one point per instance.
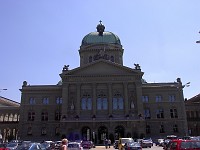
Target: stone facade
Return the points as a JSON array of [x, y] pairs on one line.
[[102, 99], [193, 115]]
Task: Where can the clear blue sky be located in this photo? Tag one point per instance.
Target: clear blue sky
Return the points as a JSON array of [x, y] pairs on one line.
[[38, 37]]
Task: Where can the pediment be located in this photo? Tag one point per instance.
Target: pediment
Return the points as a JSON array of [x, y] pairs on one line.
[[103, 67]]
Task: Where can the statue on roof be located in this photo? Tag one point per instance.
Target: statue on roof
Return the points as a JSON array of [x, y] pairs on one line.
[[100, 28], [137, 66], [66, 67]]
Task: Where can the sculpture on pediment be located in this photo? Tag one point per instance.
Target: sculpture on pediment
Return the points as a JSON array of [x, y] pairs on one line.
[[66, 68], [137, 66]]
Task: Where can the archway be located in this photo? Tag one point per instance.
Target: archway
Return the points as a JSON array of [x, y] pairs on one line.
[[119, 132], [86, 133], [102, 134]]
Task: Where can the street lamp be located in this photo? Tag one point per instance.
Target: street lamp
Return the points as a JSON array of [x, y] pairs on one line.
[[186, 85], [3, 90], [199, 40]]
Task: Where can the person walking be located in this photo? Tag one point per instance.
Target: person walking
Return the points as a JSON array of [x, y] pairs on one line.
[[106, 143], [64, 144], [109, 143]]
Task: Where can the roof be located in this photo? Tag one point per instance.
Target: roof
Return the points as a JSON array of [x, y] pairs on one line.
[[105, 38], [7, 102], [101, 37], [193, 100]]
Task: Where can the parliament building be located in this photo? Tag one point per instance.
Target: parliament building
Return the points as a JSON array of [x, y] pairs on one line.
[[101, 99]]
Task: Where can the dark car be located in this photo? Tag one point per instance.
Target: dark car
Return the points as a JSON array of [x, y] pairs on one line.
[[132, 146]]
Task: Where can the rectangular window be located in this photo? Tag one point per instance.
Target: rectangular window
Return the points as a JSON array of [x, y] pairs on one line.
[[162, 129], [147, 114], [148, 130], [173, 113], [45, 100], [175, 128], [83, 103], [32, 101], [59, 100], [145, 98], [160, 113], [114, 103], [171, 98], [158, 98]]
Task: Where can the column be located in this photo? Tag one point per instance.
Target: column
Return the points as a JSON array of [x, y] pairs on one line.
[[126, 97], [110, 98], [78, 99], [94, 99], [139, 98], [65, 92]]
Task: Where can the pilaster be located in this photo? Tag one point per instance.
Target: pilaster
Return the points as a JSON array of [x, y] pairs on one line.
[[125, 97]]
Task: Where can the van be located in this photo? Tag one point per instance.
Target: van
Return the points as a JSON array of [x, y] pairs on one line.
[[183, 145], [122, 142]]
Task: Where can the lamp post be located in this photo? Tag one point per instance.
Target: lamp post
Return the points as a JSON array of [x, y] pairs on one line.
[[199, 40], [3, 90]]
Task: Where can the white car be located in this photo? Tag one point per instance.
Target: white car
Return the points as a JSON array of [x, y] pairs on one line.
[[74, 146]]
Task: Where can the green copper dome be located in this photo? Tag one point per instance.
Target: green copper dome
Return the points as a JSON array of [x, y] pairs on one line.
[[101, 37]]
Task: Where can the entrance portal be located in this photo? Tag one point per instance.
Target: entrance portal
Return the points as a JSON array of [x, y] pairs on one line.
[[102, 134], [119, 132]]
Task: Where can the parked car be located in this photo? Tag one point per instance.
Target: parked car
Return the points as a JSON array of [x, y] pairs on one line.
[[58, 144], [87, 144], [3, 146], [122, 142], [30, 146], [159, 142], [74, 146], [12, 146], [115, 144], [132, 146], [180, 144], [146, 143]]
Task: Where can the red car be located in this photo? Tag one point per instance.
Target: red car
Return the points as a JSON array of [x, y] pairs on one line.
[[183, 145], [87, 144], [3, 147]]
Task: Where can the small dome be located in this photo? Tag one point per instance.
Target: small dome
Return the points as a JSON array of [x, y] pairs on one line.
[[101, 37]]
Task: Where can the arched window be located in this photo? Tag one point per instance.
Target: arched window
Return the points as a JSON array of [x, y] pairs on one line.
[[15, 117], [102, 102], [86, 102], [118, 101], [6, 117], [10, 118]]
